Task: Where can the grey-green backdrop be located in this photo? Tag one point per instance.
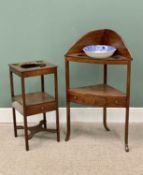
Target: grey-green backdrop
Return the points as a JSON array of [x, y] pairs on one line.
[[45, 29]]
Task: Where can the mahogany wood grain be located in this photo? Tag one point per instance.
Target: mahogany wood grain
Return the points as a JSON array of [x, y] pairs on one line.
[[34, 98], [82, 58], [99, 95], [104, 36], [43, 90], [42, 68], [37, 102], [105, 76]]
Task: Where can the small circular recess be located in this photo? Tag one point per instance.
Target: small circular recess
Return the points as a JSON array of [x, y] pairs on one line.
[[32, 65]]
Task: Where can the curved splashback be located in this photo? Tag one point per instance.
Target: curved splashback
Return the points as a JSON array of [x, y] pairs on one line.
[[103, 36]]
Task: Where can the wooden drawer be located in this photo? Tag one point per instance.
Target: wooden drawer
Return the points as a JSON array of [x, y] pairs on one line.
[[116, 102], [88, 100], [40, 108], [98, 101]]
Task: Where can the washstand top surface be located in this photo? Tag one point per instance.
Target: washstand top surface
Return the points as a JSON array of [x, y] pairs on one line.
[[34, 67]]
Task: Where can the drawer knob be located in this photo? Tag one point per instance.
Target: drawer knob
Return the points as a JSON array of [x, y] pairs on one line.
[[42, 107], [75, 97], [116, 101]]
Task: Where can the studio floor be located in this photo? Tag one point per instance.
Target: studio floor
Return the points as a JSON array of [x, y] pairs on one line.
[[91, 150]]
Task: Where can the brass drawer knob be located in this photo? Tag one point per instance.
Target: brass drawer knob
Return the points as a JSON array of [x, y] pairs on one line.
[[42, 107], [116, 102], [75, 97]]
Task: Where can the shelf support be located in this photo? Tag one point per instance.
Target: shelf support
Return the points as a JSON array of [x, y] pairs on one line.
[[127, 107], [37, 128], [67, 74], [43, 90], [13, 110], [104, 108], [24, 115], [57, 109]]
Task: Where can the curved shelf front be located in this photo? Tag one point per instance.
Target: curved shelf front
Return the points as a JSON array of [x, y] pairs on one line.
[[98, 95]]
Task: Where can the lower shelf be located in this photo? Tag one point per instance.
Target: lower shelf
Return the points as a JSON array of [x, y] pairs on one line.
[[98, 95], [37, 102]]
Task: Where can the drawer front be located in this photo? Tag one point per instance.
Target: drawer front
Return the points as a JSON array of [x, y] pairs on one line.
[[40, 108], [88, 100], [98, 101], [116, 102]]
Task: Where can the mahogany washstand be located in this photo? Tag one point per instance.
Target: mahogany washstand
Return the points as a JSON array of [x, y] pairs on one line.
[[101, 95], [33, 103]]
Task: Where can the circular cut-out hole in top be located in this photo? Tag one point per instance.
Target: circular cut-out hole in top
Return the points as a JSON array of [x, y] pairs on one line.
[[32, 65]]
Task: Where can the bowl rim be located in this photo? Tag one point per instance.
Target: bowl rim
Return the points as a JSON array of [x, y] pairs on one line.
[[99, 51]]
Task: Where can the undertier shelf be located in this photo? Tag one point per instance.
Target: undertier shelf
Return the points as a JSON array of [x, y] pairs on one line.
[[98, 95], [37, 102]]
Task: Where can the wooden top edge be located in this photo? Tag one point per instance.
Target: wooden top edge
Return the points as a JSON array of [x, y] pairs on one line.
[[37, 65], [117, 59]]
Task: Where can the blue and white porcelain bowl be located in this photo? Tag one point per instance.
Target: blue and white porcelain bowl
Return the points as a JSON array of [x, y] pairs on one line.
[[99, 51]]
